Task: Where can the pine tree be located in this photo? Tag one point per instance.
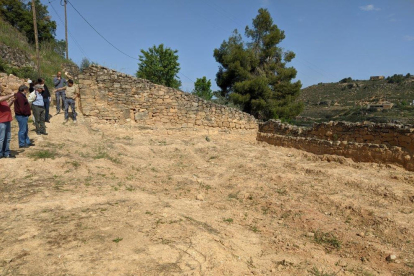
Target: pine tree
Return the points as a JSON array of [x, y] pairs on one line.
[[254, 74]]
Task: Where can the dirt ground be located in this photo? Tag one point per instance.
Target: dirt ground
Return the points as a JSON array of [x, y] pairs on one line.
[[98, 199]]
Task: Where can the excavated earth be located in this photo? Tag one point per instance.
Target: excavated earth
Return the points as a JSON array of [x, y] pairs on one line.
[[100, 199]]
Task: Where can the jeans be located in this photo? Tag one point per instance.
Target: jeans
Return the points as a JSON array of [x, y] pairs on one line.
[[60, 95], [71, 103], [46, 101], [5, 138], [39, 113], [23, 130]]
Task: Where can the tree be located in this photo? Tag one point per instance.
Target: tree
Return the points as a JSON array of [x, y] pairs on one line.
[[202, 88], [159, 65], [254, 74], [19, 14]]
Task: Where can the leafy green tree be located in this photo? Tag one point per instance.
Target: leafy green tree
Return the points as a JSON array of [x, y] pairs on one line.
[[159, 65], [202, 88], [19, 14], [254, 74]]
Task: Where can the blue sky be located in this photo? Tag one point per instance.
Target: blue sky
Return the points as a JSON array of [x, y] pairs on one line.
[[332, 39]]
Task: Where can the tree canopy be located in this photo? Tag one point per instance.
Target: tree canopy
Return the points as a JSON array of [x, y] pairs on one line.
[[202, 88], [160, 65], [254, 74], [19, 14]]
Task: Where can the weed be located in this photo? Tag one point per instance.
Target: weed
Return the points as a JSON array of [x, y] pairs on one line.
[[130, 188], [327, 238], [148, 213], [233, 195], [254, 229], [228, 220], [117, 240], [43, 154], [314, 271]]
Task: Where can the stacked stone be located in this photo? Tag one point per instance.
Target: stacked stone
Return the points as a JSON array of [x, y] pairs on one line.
[[15, 57], [10, 83], [363, 142], [117, 97], [369, 133]]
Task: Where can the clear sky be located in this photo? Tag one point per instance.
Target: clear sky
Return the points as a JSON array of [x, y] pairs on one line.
[[332, 39]]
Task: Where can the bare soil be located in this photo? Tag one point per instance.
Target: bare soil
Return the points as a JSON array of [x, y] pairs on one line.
[[101, 199]]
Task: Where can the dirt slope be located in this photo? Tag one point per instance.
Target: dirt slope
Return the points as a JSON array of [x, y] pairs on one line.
[[130, 200]]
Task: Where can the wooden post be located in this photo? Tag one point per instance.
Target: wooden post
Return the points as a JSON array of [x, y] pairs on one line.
[[36, 37], [66, 32]]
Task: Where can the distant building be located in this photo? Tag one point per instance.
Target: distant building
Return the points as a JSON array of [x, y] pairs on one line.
[[383, 105], [374, 78]]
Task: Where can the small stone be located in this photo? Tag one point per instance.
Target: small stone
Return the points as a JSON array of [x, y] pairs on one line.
[[362, 234], [310, 234], [391, 258], [200, 197]]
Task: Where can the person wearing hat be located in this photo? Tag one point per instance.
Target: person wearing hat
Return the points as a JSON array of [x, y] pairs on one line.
[[38, 108], [6, 102], [22, 113]]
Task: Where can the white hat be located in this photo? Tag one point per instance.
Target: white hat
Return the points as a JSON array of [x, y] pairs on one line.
[[29, 81]]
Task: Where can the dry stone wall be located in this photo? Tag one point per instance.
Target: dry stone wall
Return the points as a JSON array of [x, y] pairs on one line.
[[15, 57], [117, 97], [363, 142]]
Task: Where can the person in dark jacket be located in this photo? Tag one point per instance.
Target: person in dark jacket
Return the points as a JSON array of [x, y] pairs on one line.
[[22, 113], [46, 98]]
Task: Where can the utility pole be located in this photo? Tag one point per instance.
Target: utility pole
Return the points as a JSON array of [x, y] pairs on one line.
[[36, 37], [66, 32]]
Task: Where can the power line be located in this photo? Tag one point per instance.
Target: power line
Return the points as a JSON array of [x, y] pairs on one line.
[[116, 48], [73, 38]]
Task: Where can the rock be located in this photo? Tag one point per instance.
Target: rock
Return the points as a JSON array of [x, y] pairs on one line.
[[200, 197], [391, 258], [362, 234], [310, 234]]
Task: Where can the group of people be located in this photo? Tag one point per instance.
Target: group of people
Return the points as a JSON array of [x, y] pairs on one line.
[[34, 99]]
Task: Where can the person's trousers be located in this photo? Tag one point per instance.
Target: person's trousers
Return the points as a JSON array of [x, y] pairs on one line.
[[23, 130], [5, 138], [39, 113], [46, 101], [71, 103], [60, 99]]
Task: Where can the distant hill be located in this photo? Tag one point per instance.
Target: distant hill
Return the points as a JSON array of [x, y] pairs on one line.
[[350, 100]]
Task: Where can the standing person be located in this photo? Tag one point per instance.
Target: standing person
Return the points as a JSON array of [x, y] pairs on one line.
[[5, 125], [38, 108], [72, 92], [46, 98], [59, 82], [22, 113]]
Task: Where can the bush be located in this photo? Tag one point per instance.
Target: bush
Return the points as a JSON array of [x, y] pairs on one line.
[[346, 80], [396, 78]]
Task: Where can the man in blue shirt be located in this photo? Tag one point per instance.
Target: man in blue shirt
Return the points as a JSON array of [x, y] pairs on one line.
[[59, 82], [38, 108]]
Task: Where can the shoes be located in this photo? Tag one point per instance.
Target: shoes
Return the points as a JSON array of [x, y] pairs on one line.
[[9, 156], [25, 146], [47, 121], [74, 121], [57, 113], [38, 133], [66, 120], [44, 133]]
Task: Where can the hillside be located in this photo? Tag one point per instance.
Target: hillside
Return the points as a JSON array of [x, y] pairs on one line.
[[18, 57], [349, 101], [135, 200]]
